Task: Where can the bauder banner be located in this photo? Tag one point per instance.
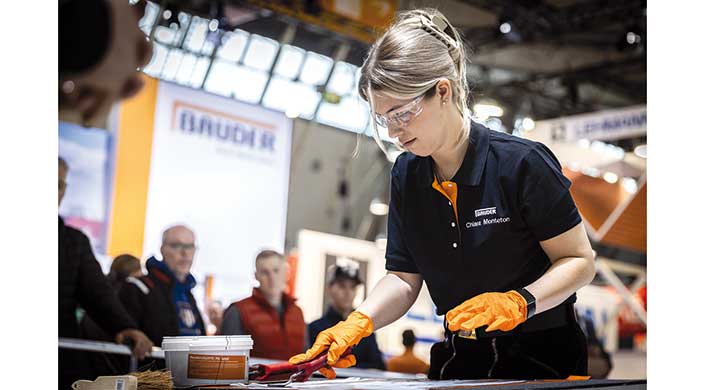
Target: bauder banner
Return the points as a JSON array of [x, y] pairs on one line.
[[220, 167]]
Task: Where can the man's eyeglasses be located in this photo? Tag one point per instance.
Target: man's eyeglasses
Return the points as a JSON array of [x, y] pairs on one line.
[[402, 116], [177, 246]]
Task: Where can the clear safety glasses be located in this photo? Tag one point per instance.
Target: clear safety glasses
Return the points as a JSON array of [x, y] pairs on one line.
[[402, 116]]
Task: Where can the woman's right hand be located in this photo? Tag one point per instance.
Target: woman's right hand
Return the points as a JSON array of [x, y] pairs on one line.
[[336, 340]]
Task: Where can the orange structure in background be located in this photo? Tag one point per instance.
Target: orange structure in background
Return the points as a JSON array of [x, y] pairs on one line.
[[614, 216], [133, 154], [596, 199], [293, 260], [629, 230]]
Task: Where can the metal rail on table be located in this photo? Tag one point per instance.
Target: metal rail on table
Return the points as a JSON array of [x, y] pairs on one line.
[[158, 353], [360, 378]]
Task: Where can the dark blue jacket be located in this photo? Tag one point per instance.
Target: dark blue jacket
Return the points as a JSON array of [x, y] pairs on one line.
[[151, 301], [367, 352]]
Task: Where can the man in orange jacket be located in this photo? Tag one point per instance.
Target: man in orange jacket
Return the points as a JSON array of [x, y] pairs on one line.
[[270, 315]]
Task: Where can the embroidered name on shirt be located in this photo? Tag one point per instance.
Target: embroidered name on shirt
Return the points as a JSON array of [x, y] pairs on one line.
[[485, 211], [487, 221]]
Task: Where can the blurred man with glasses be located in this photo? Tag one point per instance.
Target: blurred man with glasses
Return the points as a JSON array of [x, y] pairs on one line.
[[161, 302]]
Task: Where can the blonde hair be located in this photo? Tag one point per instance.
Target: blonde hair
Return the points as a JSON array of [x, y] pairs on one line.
[[417, 50]]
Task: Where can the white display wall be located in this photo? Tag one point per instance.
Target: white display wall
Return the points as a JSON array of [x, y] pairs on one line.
[[220, 167]]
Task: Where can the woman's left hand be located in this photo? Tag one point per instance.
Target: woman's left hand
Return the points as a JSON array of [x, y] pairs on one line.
[[503, 311]]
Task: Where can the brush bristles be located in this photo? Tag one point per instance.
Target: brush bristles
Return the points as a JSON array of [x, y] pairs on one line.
[[153, 380]]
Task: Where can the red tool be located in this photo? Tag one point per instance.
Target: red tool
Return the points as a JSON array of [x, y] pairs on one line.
[[286, 372]]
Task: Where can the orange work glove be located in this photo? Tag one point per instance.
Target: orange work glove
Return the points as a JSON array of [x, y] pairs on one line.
[[503, 311], [337, 339]]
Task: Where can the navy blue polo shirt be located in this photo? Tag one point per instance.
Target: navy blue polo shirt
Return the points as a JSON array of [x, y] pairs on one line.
[[480, 231]]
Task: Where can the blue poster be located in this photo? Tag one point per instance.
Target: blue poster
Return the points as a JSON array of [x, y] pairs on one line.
[[86, 202]]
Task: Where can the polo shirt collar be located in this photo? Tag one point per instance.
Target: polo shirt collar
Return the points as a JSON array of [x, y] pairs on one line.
[[473, 165]]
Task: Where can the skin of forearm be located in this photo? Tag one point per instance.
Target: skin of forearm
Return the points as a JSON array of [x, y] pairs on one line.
[[389, 300], [562, 279]]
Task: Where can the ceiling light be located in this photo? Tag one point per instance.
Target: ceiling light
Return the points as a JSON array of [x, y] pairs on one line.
[[598, 146], [213, 25], [589, 171], [629, 185], [505, 28], [170, 19], [292, 113], [640, 151], [610, 177], [377, 207], [528, 123], [486, 110], [494, 124]]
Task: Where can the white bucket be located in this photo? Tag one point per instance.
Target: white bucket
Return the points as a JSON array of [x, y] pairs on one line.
[[217, 360], [176, 357]]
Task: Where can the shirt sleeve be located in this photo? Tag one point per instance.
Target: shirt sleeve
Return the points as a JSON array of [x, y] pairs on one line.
[[132, 300], [96, 295], [546, 204], [232, 325], [397, 254]]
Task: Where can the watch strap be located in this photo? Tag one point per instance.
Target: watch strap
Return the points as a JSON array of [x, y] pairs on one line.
[[530, 302]]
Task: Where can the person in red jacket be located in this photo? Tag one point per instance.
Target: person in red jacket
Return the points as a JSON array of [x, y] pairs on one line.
[[270, 315]]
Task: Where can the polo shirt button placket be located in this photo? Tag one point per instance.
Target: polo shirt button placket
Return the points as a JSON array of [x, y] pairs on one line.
[[452, 224]]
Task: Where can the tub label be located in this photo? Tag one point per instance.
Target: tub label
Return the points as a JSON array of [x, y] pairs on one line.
[[230, 367]]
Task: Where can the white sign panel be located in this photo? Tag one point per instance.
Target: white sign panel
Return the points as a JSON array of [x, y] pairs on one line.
[[220, 167], [604, 125]]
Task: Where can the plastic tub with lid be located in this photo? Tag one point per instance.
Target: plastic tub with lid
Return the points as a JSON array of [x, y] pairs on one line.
[[218, 360]]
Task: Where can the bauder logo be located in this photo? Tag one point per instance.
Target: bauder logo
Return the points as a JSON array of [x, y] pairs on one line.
[[223, 127], [485, 211], [486, 221]]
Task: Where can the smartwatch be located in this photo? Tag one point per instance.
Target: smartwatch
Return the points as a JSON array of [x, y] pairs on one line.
[[530, 302]]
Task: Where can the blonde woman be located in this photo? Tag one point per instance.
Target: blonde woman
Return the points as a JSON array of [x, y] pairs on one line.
[[484, 218]]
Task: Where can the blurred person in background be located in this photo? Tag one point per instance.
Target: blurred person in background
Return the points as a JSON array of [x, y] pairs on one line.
[[484, 218], [123, 267], [342, 282], [408, 362], [82, 282], [599, 360], [161, 301], [101, 49], [214, 310], [270, 315]]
